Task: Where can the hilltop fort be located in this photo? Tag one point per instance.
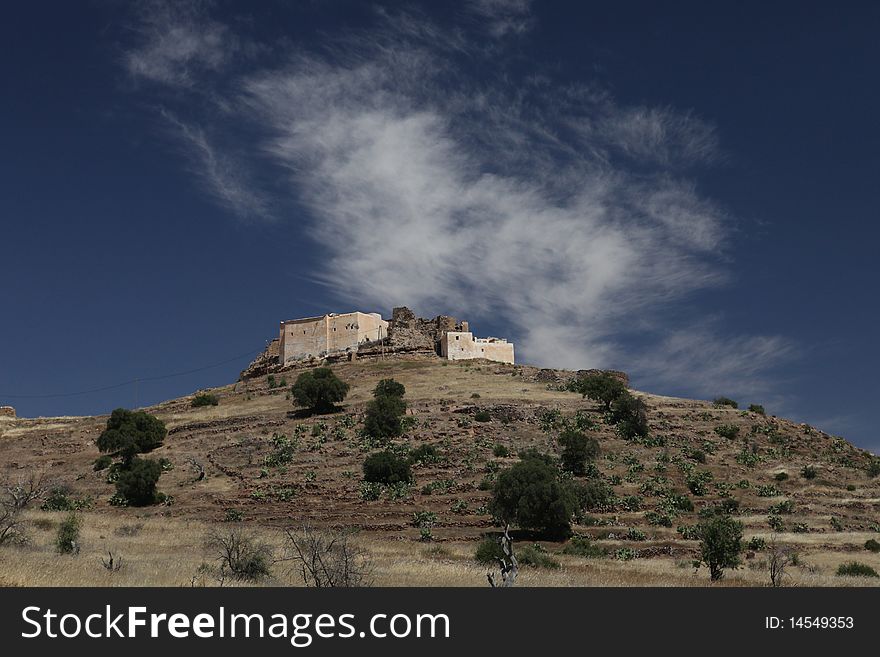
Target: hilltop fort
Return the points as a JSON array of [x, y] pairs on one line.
[[339, 336]]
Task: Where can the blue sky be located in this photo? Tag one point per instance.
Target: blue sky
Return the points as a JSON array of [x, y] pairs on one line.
[[687, 191]]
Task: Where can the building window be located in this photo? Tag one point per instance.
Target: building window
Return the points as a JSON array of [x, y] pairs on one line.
[[456, 337]]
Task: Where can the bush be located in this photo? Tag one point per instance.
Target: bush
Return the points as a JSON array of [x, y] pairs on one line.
[[871, 545], [67, 540], [129, 433], [390, 388], [768, 490], [531, 495], [720, 544], [697, 455], [483, 415], [582, 546], [729, 431], [535, 556], [383, 418], [578, 449], [102, 462], [856, 569], [600, 387], [874, 467], [593, 495], [780, 476], [489, 551], [630, 414], [809, 472], [725, 401], [205, 399], [424, 454], [757, 408], [241, 554], [500, 451], [137, 484], [319, 390], [386, 468], [757, 543], [59, 500]]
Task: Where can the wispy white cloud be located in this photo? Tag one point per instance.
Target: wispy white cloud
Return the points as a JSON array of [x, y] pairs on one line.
[[516, 201], [223, 177], [503, 16], [177, 43]]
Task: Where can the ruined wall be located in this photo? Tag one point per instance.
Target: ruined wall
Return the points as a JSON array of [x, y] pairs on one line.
[[410, 333], [7, 411], [461, 345], [318, 336]]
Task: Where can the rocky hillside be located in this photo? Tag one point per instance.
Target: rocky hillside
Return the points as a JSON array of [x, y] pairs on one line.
[[814, 488]]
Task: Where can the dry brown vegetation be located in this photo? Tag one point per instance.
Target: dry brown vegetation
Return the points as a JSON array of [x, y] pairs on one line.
[[833, 514]]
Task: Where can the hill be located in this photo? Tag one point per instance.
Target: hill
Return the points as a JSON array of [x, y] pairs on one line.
[[478, 415]]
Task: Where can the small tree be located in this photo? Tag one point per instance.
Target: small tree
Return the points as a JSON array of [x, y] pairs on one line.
[[601, 387], [389, 387], [129, 433], [720, 544], [778, 559], [531, 495], [319, 390], [578, 449], [137, 483], [383, 417], [386, 468], [630, 414], [67, 539]]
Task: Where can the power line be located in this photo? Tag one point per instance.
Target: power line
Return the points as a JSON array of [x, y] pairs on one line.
[[132, 381]]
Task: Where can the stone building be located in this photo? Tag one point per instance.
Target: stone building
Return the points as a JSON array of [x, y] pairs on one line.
[[316, 337], [462, 345]]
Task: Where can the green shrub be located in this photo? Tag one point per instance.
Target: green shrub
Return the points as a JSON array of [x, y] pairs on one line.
[[283, 449], [535, 556], [725, 401], [424, 454], [630, 414], [204, 399], [424, 519], [488, 551], [729, 431], [757, 408], [697, 455], [578, 449], [59, 499], [241, 554], [137, 484], [775, 522], [786, 506], [383, 417], [390, 388], [850, 487], [780, 476], [371, 491], [600, 387], [871, 545], [768, 490], [531, 495], [809, 472], [319, 390], [635, 534], [500, 451], [720, 544], [102, 462], [757, 543], [873, 468], [233, 515], [856, 569], [582, 546], [386, 468], [67, 539], [129, 433], [483, 415], [593, 495]]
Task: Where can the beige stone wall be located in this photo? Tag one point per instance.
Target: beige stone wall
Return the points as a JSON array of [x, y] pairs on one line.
[[461, 345], [7, 411], [318, 336]]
